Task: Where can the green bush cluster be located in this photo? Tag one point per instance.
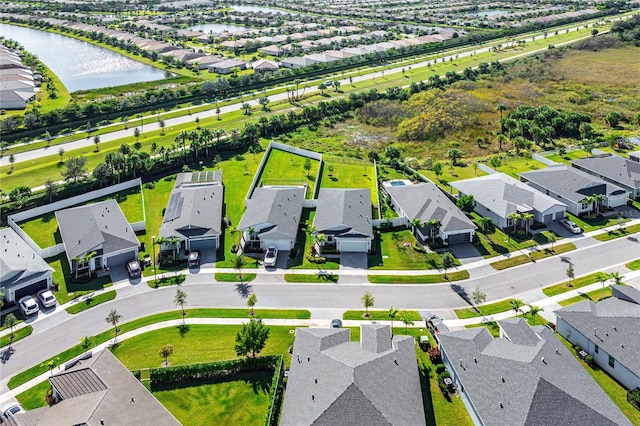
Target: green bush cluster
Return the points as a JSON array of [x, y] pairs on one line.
[[275, 393]]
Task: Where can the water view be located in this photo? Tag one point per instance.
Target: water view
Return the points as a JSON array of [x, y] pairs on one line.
[[218, 28], [258, 9], [81, 65]]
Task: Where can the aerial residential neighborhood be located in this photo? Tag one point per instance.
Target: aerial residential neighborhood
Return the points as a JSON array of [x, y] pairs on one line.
[[286, 213]]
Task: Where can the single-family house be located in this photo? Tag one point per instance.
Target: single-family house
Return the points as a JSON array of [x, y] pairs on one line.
[[613, 168], [204, 62], [574, 188], [272, 50], [194, 211], [438, 215], [609, 331], [334, 381], [97, 390], [635, 156], [264, 65], [343, 216], [524, 377], [296, 62], [227, 66], [272, 217], [22, 270], [96, 236], [497, 196]]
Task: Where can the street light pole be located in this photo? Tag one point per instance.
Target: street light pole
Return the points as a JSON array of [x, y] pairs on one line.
[[153, 249]]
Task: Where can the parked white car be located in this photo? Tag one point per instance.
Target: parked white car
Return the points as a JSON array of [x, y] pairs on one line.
[[47, 299], [10, 410], [571, 226], [28, 305], [270, 257]]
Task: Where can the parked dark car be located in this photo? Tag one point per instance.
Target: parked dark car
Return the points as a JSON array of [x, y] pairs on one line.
[[194, 258], [134, 270]]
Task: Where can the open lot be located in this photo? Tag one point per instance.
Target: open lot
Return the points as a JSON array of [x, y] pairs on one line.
[[399, 249], [285, 168]]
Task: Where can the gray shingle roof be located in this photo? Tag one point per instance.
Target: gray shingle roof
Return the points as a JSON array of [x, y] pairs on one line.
[[571, 183], [86, 227], [344, 212], [528, 383], [197, 210], [504, 195], [18, 262], [614, 167], [335, 381], [425, 201], [88, 402], [617, 324], [277, 208]]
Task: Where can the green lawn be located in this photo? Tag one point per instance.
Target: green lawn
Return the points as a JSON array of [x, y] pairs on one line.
[[311, 278], [593, 224], [90, 302], [497, 242], [381, 316], [418, 279], [618, 233], [342, 172], [233, 277], [303, 245], [396, 249], [43, 230], [17, 335], [68, 290], [194, 346], [494, 329], [568, 286], [633, 265], [241, 399], [514, 166], [34, 397], [568, 156], [611, 387], [594, 296], [451, 174], [285, 168], [537, 255], [484, 310]]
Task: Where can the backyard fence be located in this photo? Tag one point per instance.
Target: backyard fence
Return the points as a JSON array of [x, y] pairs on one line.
[[544, 160], [346, 160], [487, 169], [390, 223], [54, 250]]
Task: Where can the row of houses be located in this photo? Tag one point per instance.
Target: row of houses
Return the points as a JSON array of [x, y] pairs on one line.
[[18, 82]]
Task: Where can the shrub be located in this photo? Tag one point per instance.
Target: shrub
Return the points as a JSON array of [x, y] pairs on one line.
[[434, 355], [440, 368], [589, 360], [577, 348]]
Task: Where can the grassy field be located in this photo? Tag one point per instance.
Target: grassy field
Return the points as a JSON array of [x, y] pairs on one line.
[[90, 302], [419, 279], [588, 225], [451, 174], [514, 166], [342, 172], [311, 278], [397, 250], [35, 397], [233, 277], [43, 230], [68, 290], [568, 286], [537, 255], [484, 310], [284, 168], [17, 335], [376, 315], [594, 296], [618, 233], [633, 265]]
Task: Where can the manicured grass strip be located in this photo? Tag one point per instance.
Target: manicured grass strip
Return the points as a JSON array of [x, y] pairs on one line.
[[166, 281], [381, 316], [34, 398], [618, 233], [634, 265], [567, 286], [311, 278], [537, 255], [21, 333], [231, 277], [244, 313], [595, 296], [484, 310], [74, 351], [418, 279], [90, 302]]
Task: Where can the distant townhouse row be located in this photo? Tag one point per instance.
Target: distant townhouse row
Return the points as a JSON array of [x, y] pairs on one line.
[[18, 82]]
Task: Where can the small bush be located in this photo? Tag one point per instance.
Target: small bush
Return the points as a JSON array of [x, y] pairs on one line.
[[434, 355], [589, 360], [440, 368], [577, 348]]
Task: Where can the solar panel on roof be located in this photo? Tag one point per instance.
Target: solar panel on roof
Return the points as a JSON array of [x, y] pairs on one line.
[[174, 207]]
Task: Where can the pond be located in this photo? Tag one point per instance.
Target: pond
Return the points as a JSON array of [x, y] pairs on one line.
[[89, 67], [259, 9], [218, 28]]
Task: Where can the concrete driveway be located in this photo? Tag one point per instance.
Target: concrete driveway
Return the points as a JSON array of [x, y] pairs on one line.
[[353, 261], [466, 253]]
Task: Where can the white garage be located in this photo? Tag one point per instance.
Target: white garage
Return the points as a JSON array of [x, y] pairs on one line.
[[281, 244], [353, 246]]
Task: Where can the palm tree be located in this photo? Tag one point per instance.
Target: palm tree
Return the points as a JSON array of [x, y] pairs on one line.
[[114, 318], [368, 301], [435, 224], [515, 217], [516, 305], [616, 277], [500, 108], [51, 364], [533, 311], [9, 322], [415, 224], [526, 217], [181, 300], [597, 200], [404, 317], [238, 263], [392, 315]]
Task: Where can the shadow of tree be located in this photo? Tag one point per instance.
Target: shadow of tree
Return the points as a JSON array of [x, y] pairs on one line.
[[244, 289]]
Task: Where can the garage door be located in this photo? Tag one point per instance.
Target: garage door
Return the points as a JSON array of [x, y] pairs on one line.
[[353, 246], [121, 259], [547, 218], [203, 244], [30, 289], [460, 238], [279, 244]]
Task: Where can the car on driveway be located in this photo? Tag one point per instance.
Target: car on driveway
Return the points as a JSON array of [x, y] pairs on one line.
[[10, 410], [194, 258], [571, 226], [336, 323], [28, 305], [133, 268], [270, 257], [47, 299]]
